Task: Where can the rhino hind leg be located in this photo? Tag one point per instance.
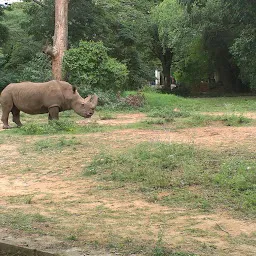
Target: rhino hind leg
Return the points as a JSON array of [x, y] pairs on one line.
[[53, 113], [16, 116]]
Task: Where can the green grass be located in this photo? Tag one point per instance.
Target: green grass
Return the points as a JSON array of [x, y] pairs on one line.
[[22, 221], [53, 144], [220, 179], [185, 119], [234, 120], [21, 199], [57, 127], [51, 128], [106, 115], [221, 104]]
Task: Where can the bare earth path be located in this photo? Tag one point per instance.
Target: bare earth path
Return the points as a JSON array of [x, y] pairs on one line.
[[49, 185]]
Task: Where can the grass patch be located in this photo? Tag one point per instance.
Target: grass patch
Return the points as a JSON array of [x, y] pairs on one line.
[[58, 127], [215, 104], [155, 121], [184, 117], [152, 165], [167, 113], [234, 120], [238, 178], [198, 120], [196, 178], [53, 144], [22, 221], [21, 199], [106, 115], [52, 127]]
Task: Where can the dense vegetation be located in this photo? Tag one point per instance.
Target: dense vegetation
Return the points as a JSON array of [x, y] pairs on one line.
[[190, 40]]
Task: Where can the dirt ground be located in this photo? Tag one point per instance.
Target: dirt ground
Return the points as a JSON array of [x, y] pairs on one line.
[[78, 203]]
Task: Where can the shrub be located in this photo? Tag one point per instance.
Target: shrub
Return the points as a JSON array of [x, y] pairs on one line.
[[6, 77], [90, 66], [38, 69]]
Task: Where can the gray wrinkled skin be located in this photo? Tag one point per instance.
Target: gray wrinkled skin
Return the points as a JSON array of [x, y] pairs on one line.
[[37, 98]]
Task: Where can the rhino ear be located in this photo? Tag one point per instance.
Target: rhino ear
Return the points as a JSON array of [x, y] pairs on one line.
[[95, 101], [88, 98], [73, 88]]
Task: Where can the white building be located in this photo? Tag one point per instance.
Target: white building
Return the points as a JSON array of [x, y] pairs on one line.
[[8, 2]]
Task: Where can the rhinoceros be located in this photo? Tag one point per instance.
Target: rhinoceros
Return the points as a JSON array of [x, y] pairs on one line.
[[37, 98]]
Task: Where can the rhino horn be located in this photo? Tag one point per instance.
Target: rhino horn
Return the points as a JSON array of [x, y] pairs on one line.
[[88, 99], [95, 101]]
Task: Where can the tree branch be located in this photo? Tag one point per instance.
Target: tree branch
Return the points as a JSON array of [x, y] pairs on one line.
[[49, 50]]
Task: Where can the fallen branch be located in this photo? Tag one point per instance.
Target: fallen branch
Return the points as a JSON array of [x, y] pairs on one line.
[[221, 228]]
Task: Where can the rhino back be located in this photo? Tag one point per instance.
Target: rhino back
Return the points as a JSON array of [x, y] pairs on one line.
[[34, 98]]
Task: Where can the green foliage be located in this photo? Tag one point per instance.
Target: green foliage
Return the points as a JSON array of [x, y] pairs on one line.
[[189, 61], [3, 29], [169, 26], [18, 61], [40, 21], [7, 76], [90, 66], [242, 50], [131, 40], [20, 47], [37, 70], [211, 36]]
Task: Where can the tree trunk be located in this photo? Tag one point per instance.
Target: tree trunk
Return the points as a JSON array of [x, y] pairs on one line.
[[164, 55], [60, 39], [166, 60]]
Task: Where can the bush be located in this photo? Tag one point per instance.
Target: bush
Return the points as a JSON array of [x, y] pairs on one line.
[[38, 69], [90, 66], [6, 77]]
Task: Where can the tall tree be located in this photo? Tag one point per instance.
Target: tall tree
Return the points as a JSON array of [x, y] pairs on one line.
[[60, 39], [167, 17]]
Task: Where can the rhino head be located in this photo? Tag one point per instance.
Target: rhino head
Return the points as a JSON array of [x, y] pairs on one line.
[[85, 107]]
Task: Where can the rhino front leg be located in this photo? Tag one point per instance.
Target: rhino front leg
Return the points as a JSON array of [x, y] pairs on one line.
[[53, 113], [16, 116], [6, 109]]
